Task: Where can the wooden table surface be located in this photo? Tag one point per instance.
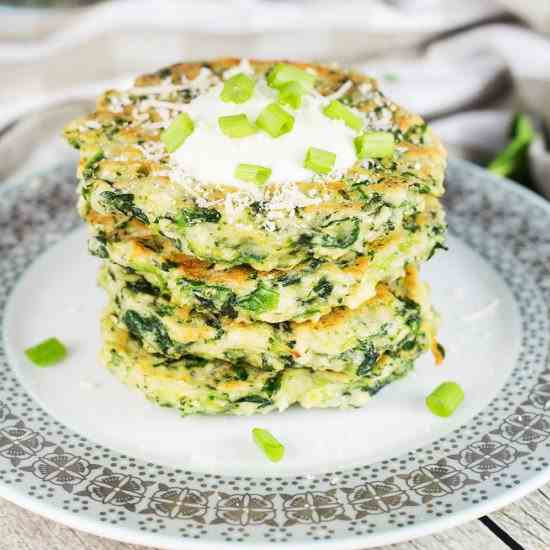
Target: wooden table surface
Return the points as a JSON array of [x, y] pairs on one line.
[[524, 525]]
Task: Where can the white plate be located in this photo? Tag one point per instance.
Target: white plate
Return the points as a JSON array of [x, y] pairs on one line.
[[94, 454]]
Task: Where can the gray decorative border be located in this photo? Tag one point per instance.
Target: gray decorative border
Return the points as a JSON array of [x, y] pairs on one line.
[[500, 448]]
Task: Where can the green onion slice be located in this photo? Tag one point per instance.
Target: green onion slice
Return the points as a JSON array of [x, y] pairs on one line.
[[252, 173], [238, 89], [271, 447], [319, 161], [180, 129], [338, 111], [236, 126], [374, 145], [445, 399], [283, 73], [275, 120], [291, 94], [47, 353]]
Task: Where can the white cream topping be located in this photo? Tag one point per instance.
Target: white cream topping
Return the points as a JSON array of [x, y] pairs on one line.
[[210, 156]]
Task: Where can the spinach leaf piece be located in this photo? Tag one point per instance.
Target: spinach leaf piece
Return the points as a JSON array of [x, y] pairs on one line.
[[436, 247], [338, 233], [262, 299], [192, 216], [323, 288], [261, 401], [142, 286], [240, 372], [370, 356], [273, 384], [212, 297], [124, 203], [139, 325], [289, 279]]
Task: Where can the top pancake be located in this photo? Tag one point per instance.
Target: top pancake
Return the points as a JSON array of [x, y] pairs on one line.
[[125, 170]]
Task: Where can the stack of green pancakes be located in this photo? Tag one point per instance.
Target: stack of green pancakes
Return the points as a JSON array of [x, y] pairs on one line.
[[261, 227]]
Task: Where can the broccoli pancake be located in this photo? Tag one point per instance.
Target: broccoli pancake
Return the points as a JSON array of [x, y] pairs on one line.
[[306, 292], [198, 386], [127, 169], [343, 339]]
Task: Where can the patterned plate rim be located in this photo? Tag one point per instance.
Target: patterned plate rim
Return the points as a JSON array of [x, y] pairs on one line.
[[497, 457]]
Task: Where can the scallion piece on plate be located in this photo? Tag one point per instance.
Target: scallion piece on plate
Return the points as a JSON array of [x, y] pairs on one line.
[[275, 120], [236, 126], [271, 447], [180, 129], [338, 111], [238, 89], [47, 353], [319, 161], [374, 145], [445, 399], [283, 73], [291, 94], [252, 173]]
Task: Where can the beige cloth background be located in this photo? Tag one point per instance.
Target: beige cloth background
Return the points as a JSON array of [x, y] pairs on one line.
[[467, 65]]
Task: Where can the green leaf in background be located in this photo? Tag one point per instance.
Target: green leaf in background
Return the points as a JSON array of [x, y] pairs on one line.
[[512, 161]]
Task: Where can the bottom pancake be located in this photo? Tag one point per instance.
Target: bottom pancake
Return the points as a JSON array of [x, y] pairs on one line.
[[199, 386]]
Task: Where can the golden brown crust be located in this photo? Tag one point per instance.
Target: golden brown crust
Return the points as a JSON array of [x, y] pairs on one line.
[[341, 316]]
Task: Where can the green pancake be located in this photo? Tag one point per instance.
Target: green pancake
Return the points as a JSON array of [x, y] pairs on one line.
[[198, 386], [307, 292], [345, 339], [126, 171]]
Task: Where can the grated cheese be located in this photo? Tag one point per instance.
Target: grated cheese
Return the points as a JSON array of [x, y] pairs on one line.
[[243, 67], [340, 92]]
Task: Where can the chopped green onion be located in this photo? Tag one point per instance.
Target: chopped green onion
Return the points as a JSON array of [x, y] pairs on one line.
[[338, 111], [236, 126], [374, 145], [319, 161], [47, 353], [238, 89], [180, 129], [283, 73], [445, 399], [291, 94], [253, 173], [275, 121], [271, 447]]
